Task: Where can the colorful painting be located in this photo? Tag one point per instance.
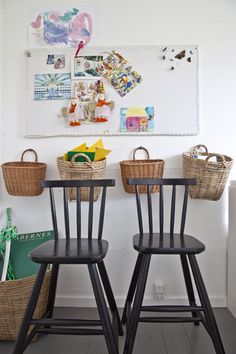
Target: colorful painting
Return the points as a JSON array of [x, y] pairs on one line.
[[52, 86], [86, 66], [61, 28], [119, 72], [137, 119]]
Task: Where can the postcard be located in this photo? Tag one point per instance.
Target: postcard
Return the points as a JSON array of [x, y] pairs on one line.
[[86, 66], [52, 86], [86, 90]]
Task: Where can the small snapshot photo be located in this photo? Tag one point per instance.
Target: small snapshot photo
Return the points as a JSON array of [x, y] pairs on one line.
[[50, 59], [86, 66], [137, 119], [59, 61]]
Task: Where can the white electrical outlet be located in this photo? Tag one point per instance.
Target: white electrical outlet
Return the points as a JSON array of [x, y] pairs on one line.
[[159, 290]]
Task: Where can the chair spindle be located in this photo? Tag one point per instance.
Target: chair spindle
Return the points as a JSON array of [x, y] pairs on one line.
[[138, 203], [149, 202], [161, 209], [53, 212], [172, 215], [184, 210], [102, 211], [66, 213], [90, 215], [78, 213]]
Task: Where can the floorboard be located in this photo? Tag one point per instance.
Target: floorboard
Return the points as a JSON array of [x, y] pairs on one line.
[[151, 338]]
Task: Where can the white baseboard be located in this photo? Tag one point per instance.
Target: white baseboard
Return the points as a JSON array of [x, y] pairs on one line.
[[232, 310], [77, 301]]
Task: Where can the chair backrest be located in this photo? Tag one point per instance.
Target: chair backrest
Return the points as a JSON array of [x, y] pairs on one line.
[[78, 184], [174, 182]]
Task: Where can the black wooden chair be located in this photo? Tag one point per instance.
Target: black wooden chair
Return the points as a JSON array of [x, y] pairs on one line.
[[169, 243], [89, 250]]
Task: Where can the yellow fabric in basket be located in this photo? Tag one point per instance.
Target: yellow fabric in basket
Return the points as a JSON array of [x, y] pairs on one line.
[[97, 147], [100, 154], [98, 144]]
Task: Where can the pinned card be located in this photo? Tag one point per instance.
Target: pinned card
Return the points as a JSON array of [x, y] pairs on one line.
[[119, 72]]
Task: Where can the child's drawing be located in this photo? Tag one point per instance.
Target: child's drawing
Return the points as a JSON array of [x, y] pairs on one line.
[[61, 29], [137, 119]]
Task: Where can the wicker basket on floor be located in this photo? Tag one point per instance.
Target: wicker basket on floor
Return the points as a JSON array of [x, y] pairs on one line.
[[81, 170], [212, 175], [24, 178], [146, 168], [14, 296]]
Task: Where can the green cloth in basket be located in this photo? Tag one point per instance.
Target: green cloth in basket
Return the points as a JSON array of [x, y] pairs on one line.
[[20, 247]]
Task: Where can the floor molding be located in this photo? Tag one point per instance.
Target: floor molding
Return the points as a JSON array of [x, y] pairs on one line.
[[77, 301]]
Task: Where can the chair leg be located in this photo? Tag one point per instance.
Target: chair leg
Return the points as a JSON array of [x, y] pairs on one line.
[[134, 317], [102, 309], [110, 295], [209, 315], [189, 285], [29, 312], [132, 287], [52, 290]]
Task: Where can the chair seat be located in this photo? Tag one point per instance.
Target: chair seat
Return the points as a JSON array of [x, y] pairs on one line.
[[166, 243], [73, 251]]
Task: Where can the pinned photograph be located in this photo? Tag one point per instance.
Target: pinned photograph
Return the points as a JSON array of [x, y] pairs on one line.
[[50, 59], [137, 119], [59, 61], [86, 66]]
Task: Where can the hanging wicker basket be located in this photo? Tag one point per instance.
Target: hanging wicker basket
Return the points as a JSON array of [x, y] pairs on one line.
[[146, 168], [24, 178], [14, 296], [81, 170], [212, 175]]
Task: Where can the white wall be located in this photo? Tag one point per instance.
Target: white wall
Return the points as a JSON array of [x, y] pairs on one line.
[[1, 51], [210, 24]]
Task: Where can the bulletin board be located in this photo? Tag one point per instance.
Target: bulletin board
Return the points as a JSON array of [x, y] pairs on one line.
[[169, 88]]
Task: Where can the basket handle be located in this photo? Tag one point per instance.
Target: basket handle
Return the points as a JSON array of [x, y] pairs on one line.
[[141, 148], [223, 162], [29, 150], [88, 162], [197, 147]]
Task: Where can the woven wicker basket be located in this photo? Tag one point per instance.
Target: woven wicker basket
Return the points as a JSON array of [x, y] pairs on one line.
[[81, 170], [146, 168], [212, 176], [14, 296], [24, 178]]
